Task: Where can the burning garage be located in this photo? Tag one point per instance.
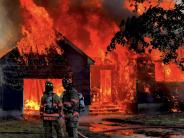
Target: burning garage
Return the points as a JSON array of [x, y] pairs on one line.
[[23, 77]]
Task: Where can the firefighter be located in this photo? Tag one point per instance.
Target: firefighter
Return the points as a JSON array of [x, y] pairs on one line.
[[70, 100], [51, 112]]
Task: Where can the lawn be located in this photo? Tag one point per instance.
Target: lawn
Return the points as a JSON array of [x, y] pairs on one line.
[[146, 125]]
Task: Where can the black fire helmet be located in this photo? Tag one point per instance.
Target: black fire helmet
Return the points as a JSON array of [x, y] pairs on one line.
[[66, 82], [48, 86]]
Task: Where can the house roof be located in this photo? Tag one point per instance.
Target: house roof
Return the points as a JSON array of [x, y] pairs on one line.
[[8, 52], [89, 59]]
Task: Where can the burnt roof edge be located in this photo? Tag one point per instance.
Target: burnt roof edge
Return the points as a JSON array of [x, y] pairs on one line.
[[89, 59]]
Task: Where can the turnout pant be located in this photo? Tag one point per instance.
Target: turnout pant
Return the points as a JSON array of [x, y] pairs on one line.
[[71, 126], [57, 124]]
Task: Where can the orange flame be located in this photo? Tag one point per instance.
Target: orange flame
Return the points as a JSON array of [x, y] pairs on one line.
[[31, 105], [142, 7], [168, 73], [38, 33], [86, 25], [116, 88], [33, 91]]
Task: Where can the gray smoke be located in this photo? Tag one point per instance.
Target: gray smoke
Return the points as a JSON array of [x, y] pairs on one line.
[[113, 9], [9, 25], [116, 9]]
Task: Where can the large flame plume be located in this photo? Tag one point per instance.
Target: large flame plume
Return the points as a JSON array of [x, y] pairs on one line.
[[88, 24], [38, 30]]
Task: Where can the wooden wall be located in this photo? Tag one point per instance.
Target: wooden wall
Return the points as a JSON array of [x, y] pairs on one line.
[[12, 75]]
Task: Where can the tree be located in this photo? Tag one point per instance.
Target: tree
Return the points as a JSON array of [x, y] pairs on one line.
[[164, 28]]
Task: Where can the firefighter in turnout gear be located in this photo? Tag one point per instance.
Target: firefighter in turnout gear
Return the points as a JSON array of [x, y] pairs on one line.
[[70, 100], [51, 112]]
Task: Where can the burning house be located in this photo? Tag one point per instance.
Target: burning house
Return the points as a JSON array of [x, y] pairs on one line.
[[23, 78], [120, 82], [113, 84], [135, 84], [159, 86]]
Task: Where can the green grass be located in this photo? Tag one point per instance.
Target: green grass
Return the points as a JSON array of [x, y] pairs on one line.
[[20, 129], [176, 119], [165, 120], [32, 129]]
